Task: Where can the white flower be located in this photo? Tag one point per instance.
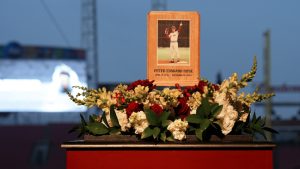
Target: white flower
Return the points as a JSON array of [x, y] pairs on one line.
[[122, 118], [178, 128], [228, 115], [244, 117], [220, 98], [227, 125], [178, 135], [194, 111], [139, 121]]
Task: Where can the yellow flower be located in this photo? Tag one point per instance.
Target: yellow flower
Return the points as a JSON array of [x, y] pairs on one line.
[[195, 100], [105, 100]]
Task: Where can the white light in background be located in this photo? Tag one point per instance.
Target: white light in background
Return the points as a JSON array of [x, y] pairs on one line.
[[34, 95], [19, 84]]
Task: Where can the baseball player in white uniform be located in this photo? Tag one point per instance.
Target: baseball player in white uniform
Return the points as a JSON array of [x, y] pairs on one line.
[[173, 36]]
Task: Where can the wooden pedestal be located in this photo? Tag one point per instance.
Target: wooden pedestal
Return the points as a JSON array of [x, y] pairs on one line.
[[83, 155]]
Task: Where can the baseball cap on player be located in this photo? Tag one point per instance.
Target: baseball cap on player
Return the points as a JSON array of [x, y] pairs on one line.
[[173, 27]]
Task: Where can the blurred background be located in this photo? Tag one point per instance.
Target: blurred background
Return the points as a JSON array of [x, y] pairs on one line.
[[47, 46]]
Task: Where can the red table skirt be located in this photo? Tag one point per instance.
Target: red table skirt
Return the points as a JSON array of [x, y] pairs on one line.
[[202, 157]]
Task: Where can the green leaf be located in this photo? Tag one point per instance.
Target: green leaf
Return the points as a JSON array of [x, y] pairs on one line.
[[203, 126], [238, 126], [191, 128], [216, 110], [156, 132], [104, 119], [151, 117], [83, 122], [256, 127], [147, 133], [163, 137], [258, 120], [93, 118], [113, 117], [204, 109], [194, 118], [170, 138], [270, 130], [199, 134], [97, 128], [164, 116], [165, 123], [248, 131], [261, 132], [115, 131], [254, 117]]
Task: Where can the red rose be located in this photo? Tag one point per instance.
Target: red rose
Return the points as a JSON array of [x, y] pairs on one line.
[[183, 109], [177, 86], [133, 107], [120, 99], [191, 89], [201, 86], [156, 109], [142, 83], [186, 92], [215, 87]]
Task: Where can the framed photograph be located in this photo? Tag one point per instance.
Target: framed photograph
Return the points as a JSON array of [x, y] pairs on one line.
[[173, 54]]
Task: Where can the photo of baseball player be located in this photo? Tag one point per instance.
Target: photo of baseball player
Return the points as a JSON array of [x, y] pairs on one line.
[[173, 36], [173, 42]]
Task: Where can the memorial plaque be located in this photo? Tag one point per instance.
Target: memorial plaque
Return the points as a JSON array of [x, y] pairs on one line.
[[173, 54]]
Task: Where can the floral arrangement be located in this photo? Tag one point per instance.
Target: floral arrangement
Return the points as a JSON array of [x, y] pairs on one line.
[[172, 113]]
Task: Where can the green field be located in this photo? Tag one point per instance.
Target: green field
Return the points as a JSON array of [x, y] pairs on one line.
[[163, 55]]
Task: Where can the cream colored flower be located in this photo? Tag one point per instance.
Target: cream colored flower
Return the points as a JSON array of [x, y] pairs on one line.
[[220, 98], [170, 97], [173, 93], [141, 92], [179, 135], [146, 104], [227, 93], [166, 98], [195, 100], [205, 90], [244, 117], [228, 115], [193, 111], [166, 91], [122, 118], [121, 88], [139, 121], [105, 100], [178, 128], [154, 96], [230, 86], [227, 125]]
